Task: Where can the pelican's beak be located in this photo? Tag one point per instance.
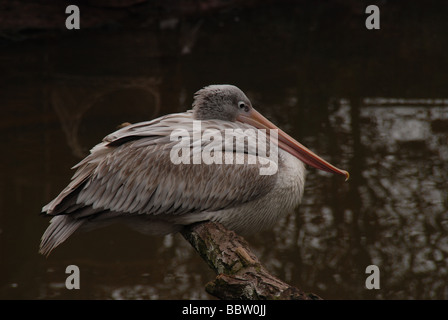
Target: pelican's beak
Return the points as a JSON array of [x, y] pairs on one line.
[[287, 143]]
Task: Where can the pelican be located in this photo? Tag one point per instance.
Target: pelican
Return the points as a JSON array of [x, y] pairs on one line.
[[131, 176]]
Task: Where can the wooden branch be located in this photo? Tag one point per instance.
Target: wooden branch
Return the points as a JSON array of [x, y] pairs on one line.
[[240, 273]]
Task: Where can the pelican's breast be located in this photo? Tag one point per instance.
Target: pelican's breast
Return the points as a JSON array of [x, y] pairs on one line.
[[264, 212]]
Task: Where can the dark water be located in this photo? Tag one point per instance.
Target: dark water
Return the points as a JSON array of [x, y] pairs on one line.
[[372, 102]]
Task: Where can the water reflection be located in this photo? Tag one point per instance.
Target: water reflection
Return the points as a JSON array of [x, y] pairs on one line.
[[399, 222], [72, 97], [60, 100], [404, 193]]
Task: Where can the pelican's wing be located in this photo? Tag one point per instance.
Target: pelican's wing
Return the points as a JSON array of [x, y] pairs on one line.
[[132, 172]]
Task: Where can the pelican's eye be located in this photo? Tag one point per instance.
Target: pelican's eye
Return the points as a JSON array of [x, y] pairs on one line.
[[243, 106]]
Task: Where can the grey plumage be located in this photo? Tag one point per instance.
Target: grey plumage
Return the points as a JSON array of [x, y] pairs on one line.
[[129, 177]]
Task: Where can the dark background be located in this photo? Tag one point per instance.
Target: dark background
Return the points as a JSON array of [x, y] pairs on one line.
[[373, 102]]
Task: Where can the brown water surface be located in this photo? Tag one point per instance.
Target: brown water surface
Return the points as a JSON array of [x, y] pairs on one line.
[[372, 102]]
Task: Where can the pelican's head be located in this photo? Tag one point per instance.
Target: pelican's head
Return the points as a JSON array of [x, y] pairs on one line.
[[223, 101], [227, 102]]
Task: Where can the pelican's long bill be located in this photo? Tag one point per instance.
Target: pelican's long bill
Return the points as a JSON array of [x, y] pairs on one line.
[[289, 144]]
